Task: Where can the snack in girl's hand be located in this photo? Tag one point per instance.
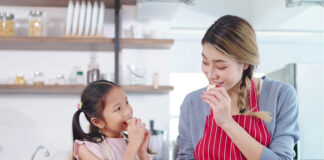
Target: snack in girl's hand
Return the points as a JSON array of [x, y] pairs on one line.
[[127, 122]]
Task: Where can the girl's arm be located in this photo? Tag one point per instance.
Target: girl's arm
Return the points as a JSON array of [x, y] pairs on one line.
[[86, 154], [131, 151]]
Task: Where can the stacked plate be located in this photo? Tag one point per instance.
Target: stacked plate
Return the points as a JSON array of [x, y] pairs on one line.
[[84, 18]]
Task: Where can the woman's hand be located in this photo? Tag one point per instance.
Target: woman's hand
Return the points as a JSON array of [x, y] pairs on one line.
[[136, 130], [220, 102]]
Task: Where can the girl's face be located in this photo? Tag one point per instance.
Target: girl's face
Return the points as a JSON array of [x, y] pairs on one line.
[[116, 112], [221, 69]]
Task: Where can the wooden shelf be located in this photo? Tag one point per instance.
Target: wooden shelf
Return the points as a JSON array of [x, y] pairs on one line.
[[80, 43], [56, 3], [72, 89]]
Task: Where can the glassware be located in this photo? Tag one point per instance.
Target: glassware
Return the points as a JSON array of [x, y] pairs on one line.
[[60, 80], [79, 77], [38, 78], [35, 23], [20, 80], [7, 24]]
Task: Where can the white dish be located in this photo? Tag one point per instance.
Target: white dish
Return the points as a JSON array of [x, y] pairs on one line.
[[82, 17], [75, 18], [101, 18], [94, 18], [88, 18], [69, 18]]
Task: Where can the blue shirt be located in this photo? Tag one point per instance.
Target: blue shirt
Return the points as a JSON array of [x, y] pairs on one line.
[[277, 98]]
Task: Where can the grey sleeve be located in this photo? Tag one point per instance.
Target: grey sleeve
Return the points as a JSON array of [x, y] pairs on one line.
[[184, 139], [286, 132]]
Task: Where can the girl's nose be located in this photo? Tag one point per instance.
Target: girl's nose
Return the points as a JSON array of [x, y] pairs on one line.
[[129, 112]]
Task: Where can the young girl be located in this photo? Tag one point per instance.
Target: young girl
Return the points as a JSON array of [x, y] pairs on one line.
[[106, 107]]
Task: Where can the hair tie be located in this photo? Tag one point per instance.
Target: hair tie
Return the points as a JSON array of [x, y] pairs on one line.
[[79, 105]]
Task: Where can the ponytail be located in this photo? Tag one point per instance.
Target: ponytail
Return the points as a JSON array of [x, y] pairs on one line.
[[94, 134]]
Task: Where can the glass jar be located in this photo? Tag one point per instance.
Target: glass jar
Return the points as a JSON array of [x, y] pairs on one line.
[[38, 78], [20, 80], [35, 23], [7, 24], [60, 80], [1, 21]]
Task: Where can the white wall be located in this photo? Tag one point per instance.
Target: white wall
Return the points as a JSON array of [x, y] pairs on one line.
[[27, 121]]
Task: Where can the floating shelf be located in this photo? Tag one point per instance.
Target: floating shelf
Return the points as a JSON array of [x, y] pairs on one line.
[[80, 43], [72, 89], [56, 3]]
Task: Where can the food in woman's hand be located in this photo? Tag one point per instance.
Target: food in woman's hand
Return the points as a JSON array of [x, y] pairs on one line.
[[211, 86]]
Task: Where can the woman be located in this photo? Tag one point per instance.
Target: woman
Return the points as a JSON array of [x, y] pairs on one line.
[[241, 117]]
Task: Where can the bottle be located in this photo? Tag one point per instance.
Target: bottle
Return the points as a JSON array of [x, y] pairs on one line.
[[93, 73], [35, 23], [38, 78], [7, 24], [156, 81], [79, 78], [20, 80]]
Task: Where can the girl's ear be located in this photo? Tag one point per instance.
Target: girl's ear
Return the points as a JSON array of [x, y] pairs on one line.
[[245, 66], [98, 122]]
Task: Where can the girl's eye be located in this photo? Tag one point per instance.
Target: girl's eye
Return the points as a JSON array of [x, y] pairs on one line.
[[117, 109], [127, 102]]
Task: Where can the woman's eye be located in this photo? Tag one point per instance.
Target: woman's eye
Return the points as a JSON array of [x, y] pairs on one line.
[[127, 102], [221, 68], [205, 63]]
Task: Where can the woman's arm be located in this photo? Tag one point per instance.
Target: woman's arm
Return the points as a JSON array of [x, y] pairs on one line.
[[286, 131], [184, 139]]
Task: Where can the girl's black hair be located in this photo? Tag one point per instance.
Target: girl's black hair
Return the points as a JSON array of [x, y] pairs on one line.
[[93, 103]]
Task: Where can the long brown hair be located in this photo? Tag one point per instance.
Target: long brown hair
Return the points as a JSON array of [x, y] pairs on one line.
[[235, 37]]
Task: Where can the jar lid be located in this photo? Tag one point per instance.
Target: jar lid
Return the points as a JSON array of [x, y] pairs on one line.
[[60, 76], [38, 73], [19, 75], [8, 15], [35, 13]]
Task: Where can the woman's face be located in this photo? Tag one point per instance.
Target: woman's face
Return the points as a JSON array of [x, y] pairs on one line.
[[221, 69]]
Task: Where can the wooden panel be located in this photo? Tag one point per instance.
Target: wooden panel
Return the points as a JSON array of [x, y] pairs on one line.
[[56, 43], [79, 43], [147, 43], [72, 89], [56, 3]]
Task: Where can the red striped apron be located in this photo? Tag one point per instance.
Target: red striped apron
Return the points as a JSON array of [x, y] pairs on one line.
[[215, 144]]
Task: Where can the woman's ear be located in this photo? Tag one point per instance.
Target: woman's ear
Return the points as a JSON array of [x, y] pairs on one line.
[[245, 66], [98, 122]]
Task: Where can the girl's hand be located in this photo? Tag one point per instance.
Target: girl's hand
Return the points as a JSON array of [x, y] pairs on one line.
[[220, 102], [142, 152], [136, 130]]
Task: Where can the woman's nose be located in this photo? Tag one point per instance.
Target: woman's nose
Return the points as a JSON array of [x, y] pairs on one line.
[[212, 73]]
